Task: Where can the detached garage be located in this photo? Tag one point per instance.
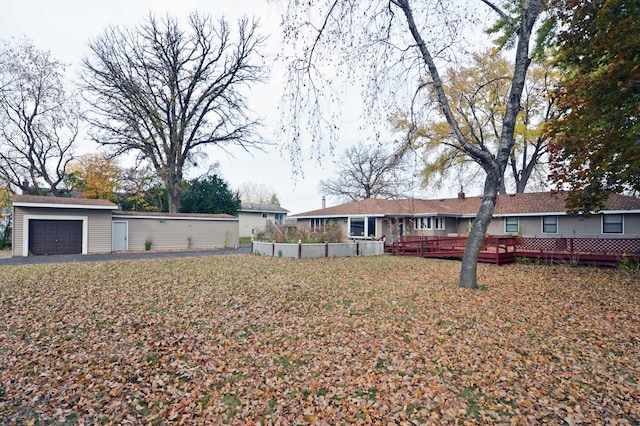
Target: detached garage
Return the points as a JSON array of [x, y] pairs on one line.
[[54, 225]]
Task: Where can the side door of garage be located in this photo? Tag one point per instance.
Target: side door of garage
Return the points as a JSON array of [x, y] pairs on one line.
[[55, 236], [119, 236]]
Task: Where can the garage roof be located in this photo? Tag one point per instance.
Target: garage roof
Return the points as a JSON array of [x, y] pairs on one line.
[[62, 202]]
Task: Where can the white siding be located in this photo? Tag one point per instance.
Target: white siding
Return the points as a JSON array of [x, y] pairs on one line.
[[180, 234], [250, 222], [98, 227], [568, 227], [632, 225]]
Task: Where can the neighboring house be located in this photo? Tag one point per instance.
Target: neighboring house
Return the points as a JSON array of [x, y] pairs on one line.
[[255, 218], [55, 225], [540, 214]]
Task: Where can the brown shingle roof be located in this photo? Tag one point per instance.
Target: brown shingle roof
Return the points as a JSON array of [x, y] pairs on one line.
[[65, 201], [527, 203]]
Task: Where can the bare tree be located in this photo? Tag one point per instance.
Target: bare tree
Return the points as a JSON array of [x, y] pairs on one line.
[[38, 120], [396, 37], [259, 193], [166, 94], [366, 171]]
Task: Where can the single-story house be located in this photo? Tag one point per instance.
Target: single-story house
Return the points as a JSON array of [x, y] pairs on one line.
[[539, 214], [256, 218], [56, 225]]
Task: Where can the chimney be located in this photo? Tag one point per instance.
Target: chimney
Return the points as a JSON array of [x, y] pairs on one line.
[[324, 202], [460, 196]]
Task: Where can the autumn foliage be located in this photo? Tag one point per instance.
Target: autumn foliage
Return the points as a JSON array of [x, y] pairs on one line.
[[257, 340], [94, 176], [596, 149]]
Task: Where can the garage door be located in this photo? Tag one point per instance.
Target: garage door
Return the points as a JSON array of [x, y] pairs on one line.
[[55, 236]]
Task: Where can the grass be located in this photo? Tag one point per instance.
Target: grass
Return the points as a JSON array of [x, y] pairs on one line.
[[248, 339], [244, 241]]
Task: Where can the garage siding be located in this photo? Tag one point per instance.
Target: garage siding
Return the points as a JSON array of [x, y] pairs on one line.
[[99, 226], [180, 234]]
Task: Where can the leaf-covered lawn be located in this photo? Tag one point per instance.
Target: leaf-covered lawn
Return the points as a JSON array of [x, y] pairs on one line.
[[259, 340]]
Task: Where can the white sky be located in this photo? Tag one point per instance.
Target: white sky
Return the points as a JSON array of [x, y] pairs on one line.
[[64, 27]]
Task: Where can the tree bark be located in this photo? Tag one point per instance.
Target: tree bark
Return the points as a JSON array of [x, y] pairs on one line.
[[468, 271]]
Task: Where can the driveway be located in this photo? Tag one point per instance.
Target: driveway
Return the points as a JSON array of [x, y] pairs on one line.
[[74, 258]]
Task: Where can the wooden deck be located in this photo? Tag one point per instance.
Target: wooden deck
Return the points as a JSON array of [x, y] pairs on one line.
[[501, 250]]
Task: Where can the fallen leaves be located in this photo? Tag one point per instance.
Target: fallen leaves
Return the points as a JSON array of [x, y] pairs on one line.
[[256, 340]]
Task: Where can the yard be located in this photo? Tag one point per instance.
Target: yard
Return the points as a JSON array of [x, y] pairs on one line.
[[372, 340]]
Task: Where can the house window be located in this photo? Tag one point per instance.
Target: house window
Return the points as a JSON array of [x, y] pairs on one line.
[[357, 227], [511, 224], [439, 222], [550, 224], [423, 223], [265, 215], [278, 218], [612, 224], [316, 224], [371, 226]]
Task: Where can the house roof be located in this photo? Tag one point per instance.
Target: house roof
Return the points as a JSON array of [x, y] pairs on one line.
[[262, 208], [62, 202], [532, 203], [163, 215]]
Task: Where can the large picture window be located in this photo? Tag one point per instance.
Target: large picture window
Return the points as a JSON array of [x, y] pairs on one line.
[[550, 224], [511, 224], [357, 227], [612, 224]]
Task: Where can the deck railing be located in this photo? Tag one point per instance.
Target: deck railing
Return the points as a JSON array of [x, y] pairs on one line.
[[505, 249]]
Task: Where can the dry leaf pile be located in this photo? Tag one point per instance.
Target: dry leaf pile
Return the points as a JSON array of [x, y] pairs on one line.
[[258, 340]]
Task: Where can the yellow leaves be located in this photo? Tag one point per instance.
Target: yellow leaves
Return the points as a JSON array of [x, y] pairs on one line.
[[355, 341], [94, 176]]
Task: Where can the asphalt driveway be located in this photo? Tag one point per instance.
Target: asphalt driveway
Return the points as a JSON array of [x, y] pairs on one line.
[[73, 258]]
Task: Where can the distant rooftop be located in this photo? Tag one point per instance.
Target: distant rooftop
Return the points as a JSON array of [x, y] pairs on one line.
[[262, 208]]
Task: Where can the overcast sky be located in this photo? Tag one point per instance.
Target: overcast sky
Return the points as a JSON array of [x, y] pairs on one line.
[[64, 28]]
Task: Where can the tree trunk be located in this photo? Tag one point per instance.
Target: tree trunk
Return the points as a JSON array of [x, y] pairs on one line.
[[174, 193], [468, 278]]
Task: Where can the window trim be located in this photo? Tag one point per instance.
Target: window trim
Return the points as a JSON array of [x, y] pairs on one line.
[[544, 231], [507, 224], [423, 223], [621, 224]]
